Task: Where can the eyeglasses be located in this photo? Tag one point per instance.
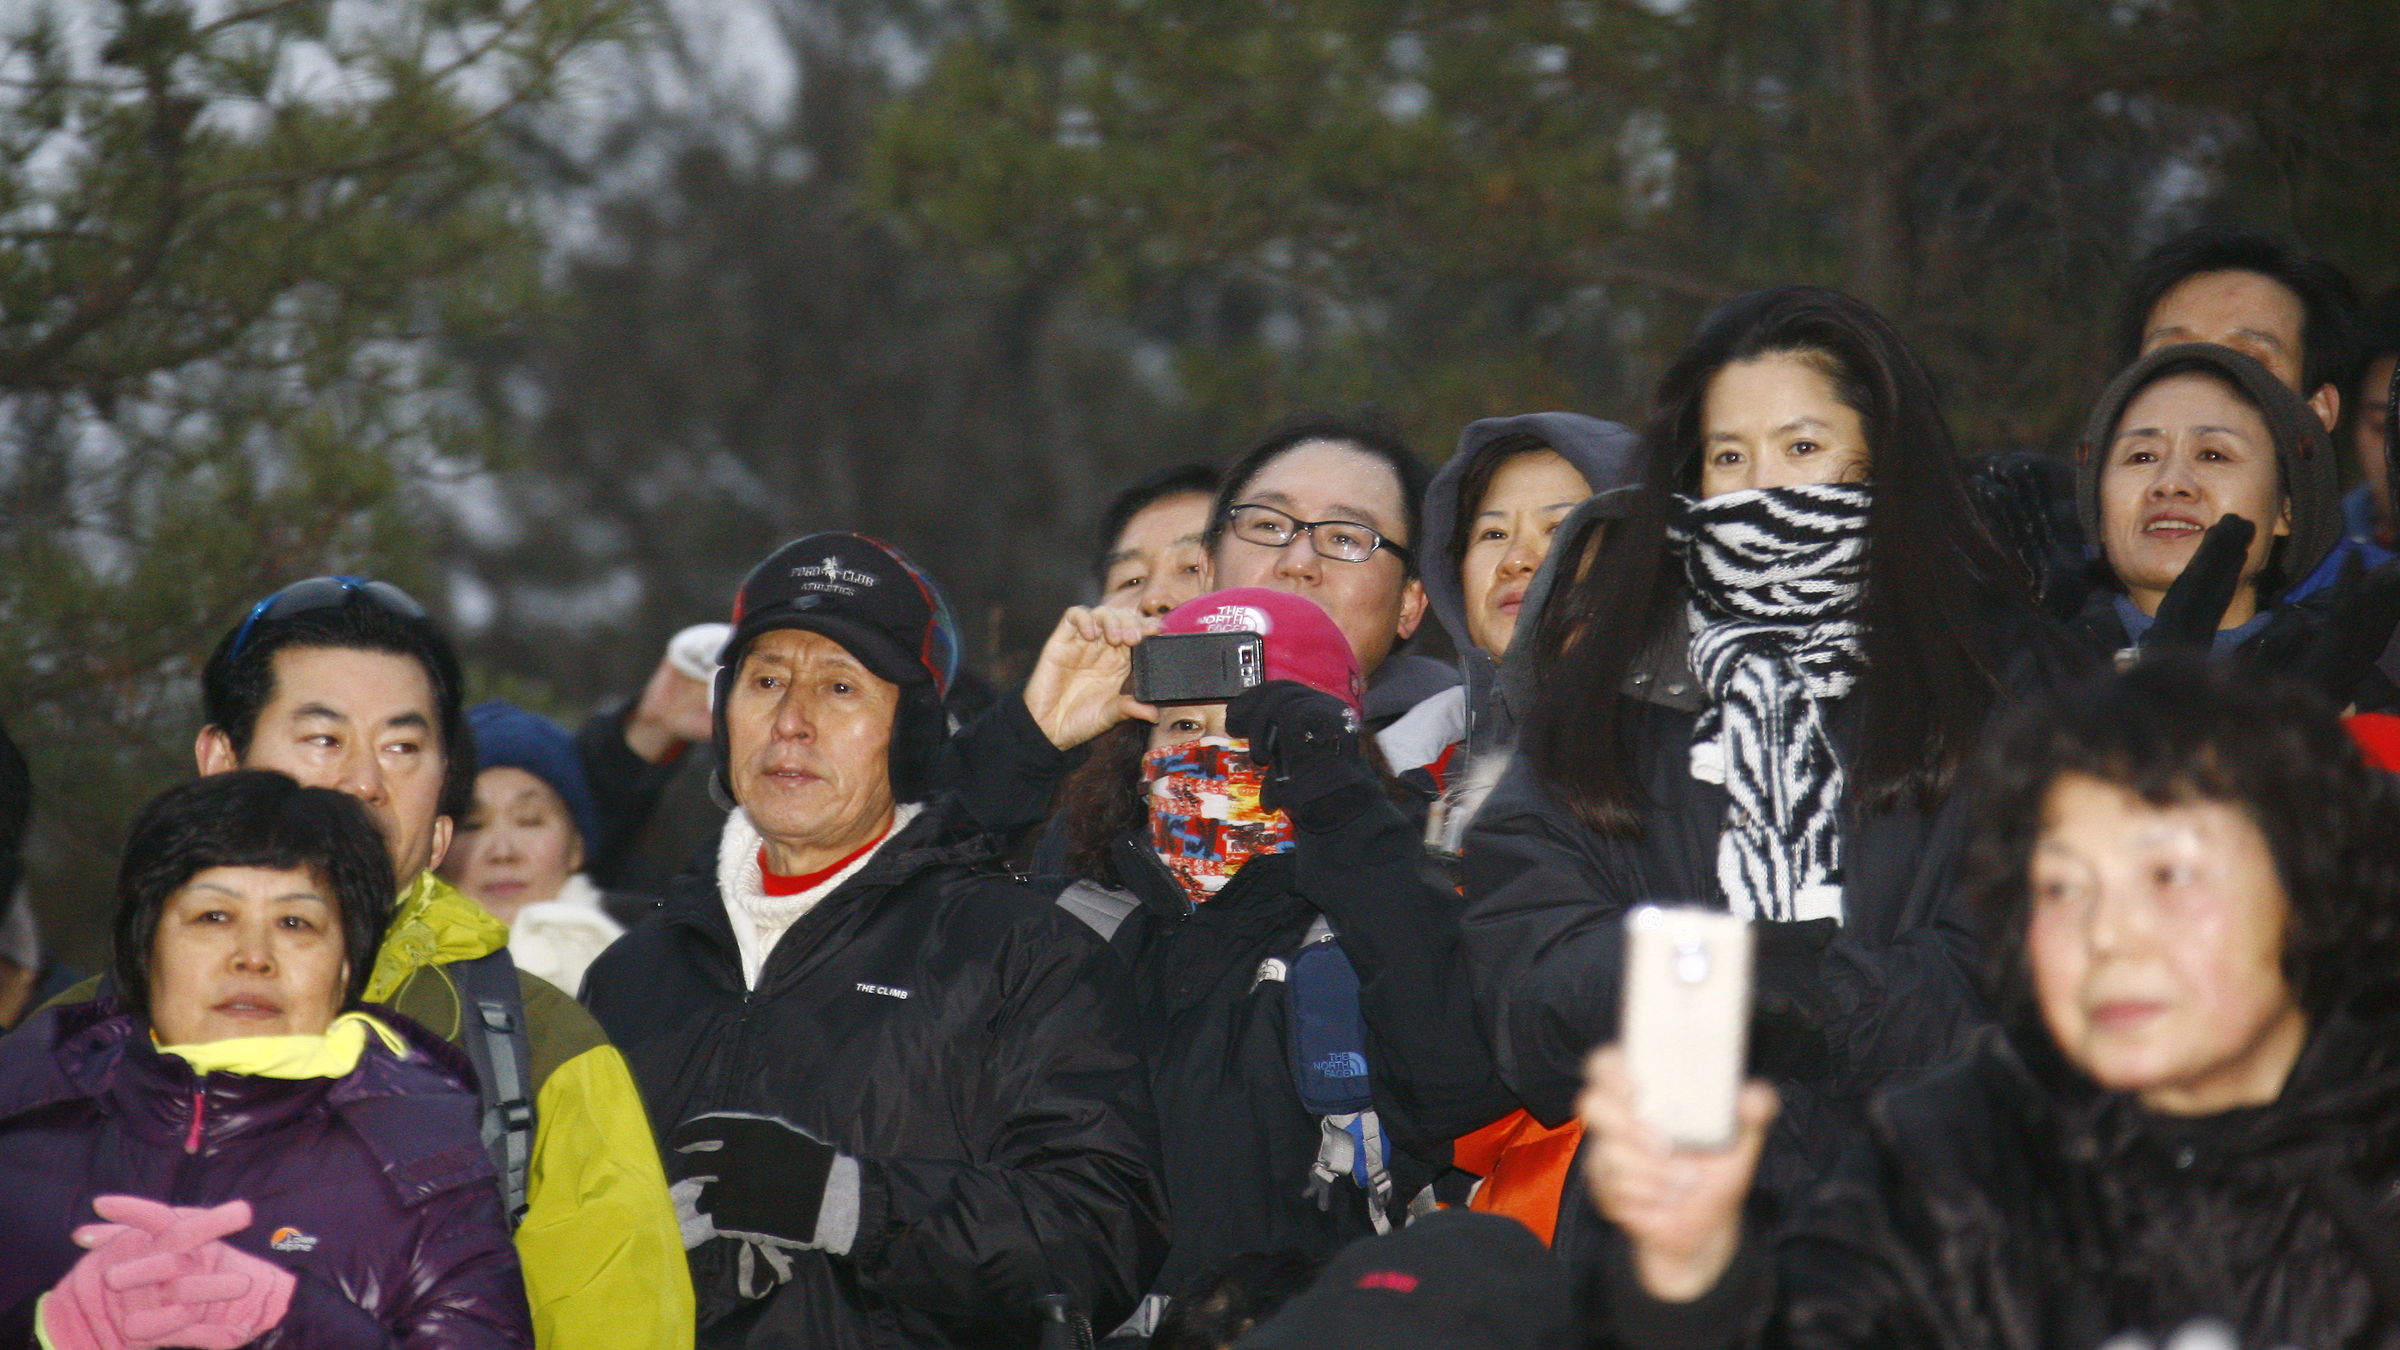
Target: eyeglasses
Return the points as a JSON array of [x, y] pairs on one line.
[[1340, 540], [323, 593]]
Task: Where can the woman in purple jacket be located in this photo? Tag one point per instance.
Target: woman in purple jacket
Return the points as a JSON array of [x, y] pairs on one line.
[[232, 1151]]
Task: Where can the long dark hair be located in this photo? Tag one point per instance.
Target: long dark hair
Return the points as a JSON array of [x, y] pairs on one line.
[[1932, 573], [1101, 801]]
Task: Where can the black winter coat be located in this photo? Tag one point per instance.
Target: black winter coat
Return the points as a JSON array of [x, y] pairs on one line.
[[2007, 1203], [971, 1044], [1840, 1013], [1238, 1143]]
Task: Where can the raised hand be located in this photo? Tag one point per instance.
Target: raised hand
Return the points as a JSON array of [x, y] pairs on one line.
[[2192, 608], [673, 711], [1077, 689], [1681, 1210]]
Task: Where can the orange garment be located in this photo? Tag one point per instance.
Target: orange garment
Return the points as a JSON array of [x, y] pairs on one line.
[[1524, 1166]]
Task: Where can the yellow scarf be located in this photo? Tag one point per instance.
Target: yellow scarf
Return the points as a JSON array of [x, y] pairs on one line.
[[328, 1056]]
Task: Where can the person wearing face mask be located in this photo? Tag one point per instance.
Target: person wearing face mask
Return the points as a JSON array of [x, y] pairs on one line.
[[231, 1148], [2188, 1112], [1757, 696], [1223, 848], [521, 850], [2211, 489]]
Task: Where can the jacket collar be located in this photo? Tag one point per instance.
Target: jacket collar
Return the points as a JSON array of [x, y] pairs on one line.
[[433, 925], [2340, 1104], [941, 835], [404, 1107], [1147, 877], [741, 880]]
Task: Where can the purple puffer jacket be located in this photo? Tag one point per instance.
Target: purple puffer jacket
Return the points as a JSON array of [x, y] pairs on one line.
[[373, 1188]]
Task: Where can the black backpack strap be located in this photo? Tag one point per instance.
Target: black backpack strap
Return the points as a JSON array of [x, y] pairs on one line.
[[491, 1026]]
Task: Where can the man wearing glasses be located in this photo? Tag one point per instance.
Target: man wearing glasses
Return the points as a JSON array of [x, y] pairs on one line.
[[344, 683], [1322, 506], [1327, 507]]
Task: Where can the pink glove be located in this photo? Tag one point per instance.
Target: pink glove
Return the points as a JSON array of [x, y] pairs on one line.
[[160, 1275]]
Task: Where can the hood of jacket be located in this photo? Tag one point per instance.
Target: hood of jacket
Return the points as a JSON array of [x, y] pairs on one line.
[[1605, 453], [434, 924], [2310, 471]]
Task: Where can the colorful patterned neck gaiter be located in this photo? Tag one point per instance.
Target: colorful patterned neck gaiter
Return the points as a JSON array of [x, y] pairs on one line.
[[1205, 820]]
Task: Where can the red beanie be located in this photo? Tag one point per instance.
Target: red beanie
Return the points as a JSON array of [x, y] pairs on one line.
[[1302, 641]]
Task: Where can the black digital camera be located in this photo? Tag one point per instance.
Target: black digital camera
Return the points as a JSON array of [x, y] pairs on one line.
[[1198, 667]]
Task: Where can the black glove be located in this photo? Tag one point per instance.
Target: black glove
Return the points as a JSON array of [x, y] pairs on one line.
[[2195, 605], [2334, 637], [1307, 741], [2027, 503], [760, 1179]]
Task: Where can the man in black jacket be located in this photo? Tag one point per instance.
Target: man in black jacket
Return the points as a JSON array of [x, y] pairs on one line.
[[901, 1098]]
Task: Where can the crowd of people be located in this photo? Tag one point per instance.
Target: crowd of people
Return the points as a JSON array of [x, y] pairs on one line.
[[825, 996]]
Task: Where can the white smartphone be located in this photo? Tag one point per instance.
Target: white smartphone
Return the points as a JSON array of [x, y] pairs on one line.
[[1686, 1023]]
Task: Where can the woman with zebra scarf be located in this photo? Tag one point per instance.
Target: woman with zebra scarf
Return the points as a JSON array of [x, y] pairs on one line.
[[1756, 693]]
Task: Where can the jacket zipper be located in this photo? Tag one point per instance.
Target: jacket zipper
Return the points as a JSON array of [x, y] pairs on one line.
[[191, 1140]]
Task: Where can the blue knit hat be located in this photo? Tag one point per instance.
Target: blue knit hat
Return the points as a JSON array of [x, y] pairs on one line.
[[508, 737]]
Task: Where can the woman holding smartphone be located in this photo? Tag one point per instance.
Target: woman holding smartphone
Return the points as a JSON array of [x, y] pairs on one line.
[[1756, 694], [2189, 1111]]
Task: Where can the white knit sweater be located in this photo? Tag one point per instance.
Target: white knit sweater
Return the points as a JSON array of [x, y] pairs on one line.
[[760, 919]]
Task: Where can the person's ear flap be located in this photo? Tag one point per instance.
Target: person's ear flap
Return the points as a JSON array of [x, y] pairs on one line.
[[443, 828]]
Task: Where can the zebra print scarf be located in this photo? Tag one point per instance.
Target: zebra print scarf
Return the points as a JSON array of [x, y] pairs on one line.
[[1775, 577]]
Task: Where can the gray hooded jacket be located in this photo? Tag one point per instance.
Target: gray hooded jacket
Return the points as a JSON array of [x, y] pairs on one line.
[[1605, 453]]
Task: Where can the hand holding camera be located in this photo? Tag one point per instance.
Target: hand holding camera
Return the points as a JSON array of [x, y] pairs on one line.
[[1077, 689]]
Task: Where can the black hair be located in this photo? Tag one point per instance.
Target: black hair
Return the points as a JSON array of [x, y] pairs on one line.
[[235, 689], [1477, 480], [251, 818], [2379, 330], [1365, 431], [16, 814], [1221, 1303], [2329, 327], [2379, 336], [1933, 574], [1182, 480], [2183, 728]]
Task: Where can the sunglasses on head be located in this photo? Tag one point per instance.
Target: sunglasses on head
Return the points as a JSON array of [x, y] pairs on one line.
[[323, 593]]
